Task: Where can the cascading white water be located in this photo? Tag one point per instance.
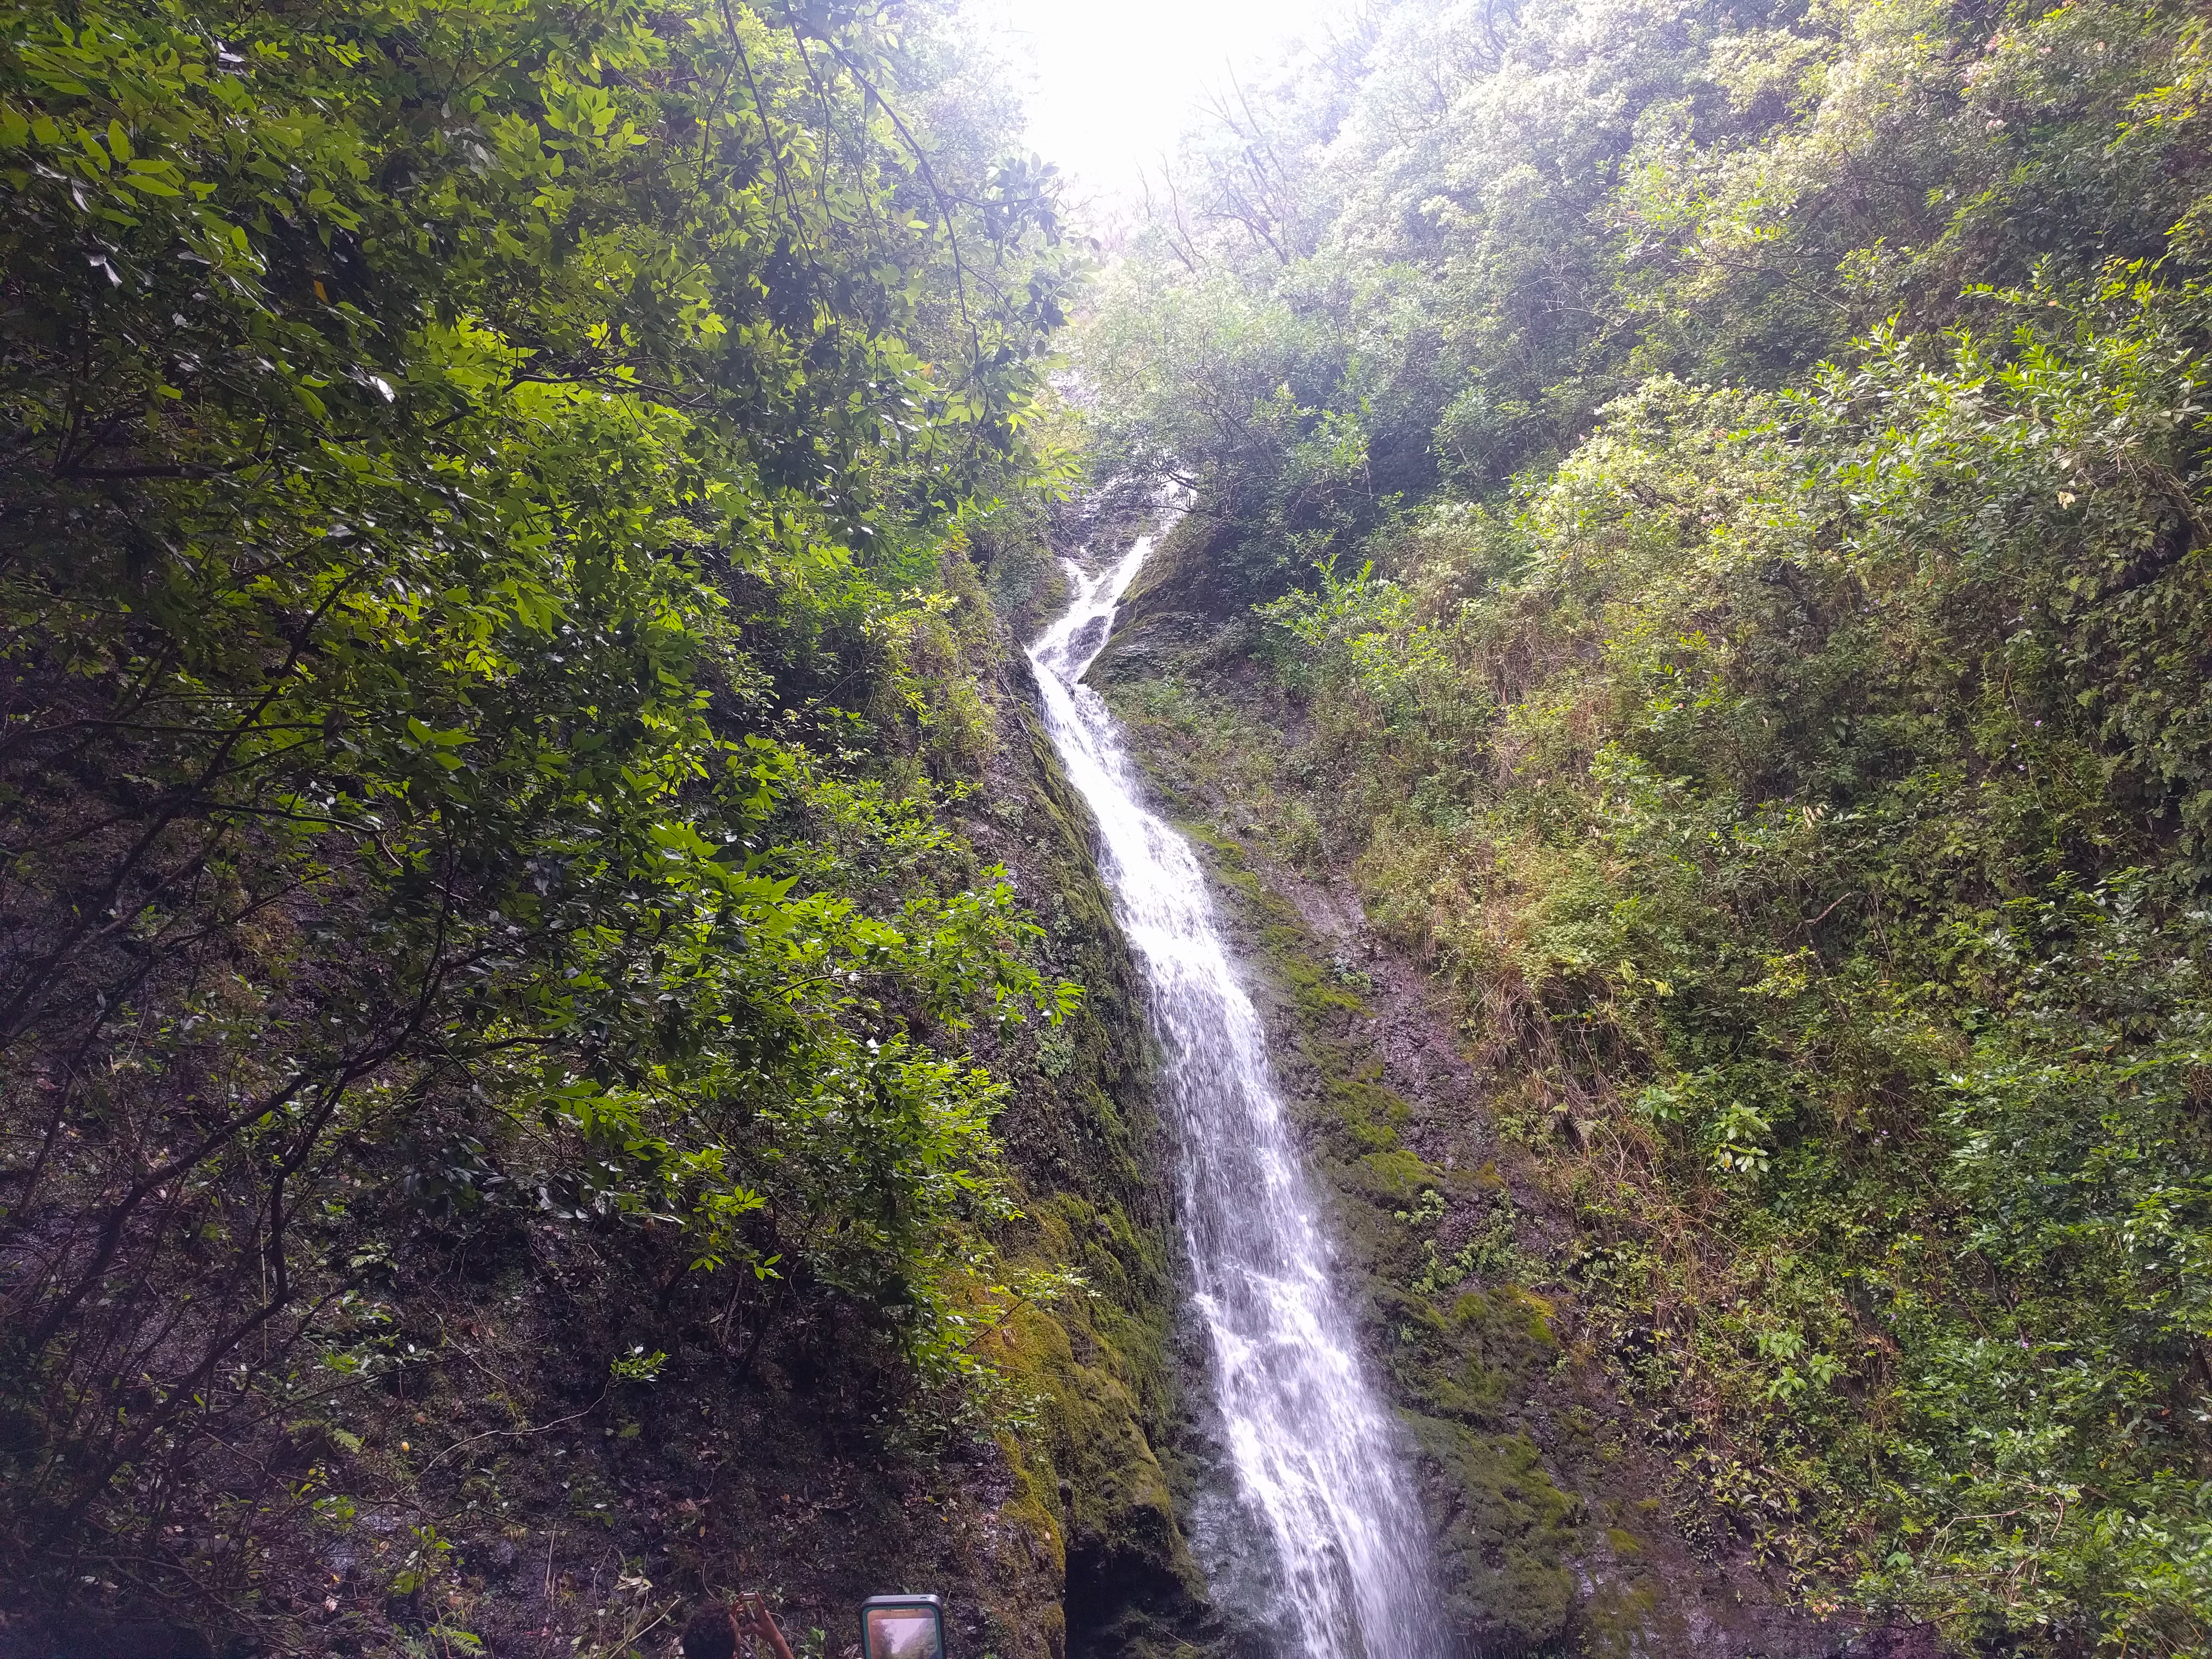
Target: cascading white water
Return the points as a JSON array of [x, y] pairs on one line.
[[1321, 1476]]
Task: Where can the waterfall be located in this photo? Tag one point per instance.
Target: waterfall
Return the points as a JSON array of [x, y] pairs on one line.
[[1319, 1469]]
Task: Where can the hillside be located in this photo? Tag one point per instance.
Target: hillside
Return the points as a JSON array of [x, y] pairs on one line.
[[1698, 540], [562, 1052]]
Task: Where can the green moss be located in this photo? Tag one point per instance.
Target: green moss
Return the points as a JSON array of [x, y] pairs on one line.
[[1505, 1553], [1507, 1319], [1622, 1619], [1394, 1174], [1091, 1481]]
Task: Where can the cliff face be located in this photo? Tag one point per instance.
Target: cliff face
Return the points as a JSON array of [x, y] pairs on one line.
[[1563, 1523]]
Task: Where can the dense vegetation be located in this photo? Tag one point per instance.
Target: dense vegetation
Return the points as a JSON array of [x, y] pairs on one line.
[[512, 799], [490, 498], [1702, 511]]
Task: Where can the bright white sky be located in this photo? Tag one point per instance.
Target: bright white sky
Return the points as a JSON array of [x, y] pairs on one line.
[[1117, 81]]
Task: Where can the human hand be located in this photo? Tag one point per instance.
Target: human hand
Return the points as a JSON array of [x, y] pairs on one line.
[[760, 1623]]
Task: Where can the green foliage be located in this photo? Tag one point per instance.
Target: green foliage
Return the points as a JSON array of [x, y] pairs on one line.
[[475, 476], [1772, 696]]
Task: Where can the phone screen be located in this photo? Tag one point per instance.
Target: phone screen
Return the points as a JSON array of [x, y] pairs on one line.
[[903, 1633]]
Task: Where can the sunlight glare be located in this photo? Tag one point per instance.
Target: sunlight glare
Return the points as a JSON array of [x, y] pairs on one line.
[[1116, 81]]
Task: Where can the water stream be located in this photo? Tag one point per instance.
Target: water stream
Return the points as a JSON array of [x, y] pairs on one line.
[[1321, 1487]]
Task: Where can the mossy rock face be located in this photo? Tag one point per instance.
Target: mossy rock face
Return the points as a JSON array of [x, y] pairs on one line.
[[1392, 1175], [1096, 1495], [1202, 570], [1505, 1552], [1482, 1363]]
